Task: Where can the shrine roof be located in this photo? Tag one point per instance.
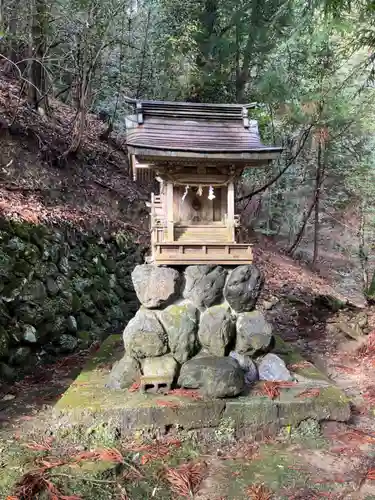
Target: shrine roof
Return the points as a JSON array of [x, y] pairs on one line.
[[162, 128]]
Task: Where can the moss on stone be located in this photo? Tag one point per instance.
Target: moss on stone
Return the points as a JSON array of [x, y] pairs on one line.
[[4, 343], [292, 356]]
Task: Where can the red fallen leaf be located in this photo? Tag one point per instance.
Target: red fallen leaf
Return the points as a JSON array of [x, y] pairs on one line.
[[301, 364], [271, 389], [186, 479], [43, 446], [309, 393], [168, 404], [156, 450], [346, 369], [85, 455], [190, 393], [344, 450], [259, 492], [110, 455], [134, 387], [51, 465], [370, 474]]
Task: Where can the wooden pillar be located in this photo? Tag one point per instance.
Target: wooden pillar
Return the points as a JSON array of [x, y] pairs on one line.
[[170, 223], [230, 212]]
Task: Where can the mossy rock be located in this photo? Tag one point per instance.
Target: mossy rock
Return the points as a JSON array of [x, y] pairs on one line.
[[292, 356], [84, 322], [57, 327], [76, 303], [84, 339], [87, 305], [6, 265], [181, 324], [13, 289], [4, 343], [31, 314], [33, 291], [21, 229], [22, 268], [5, 316], [6, 225], [80, 285], [31, 253], [101, 299], [42, 270], [56, 306], [15, 246], [116, 313]]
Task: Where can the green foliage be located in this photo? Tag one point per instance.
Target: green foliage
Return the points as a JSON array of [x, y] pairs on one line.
[[309, 68]]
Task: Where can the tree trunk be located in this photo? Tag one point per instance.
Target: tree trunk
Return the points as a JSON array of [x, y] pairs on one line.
[[238, 89], [38, 75], [362, 250], [319, 169], [371, 289], [302, 229]]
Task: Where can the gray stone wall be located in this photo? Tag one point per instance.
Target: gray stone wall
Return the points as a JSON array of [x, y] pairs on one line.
[[60, 289]]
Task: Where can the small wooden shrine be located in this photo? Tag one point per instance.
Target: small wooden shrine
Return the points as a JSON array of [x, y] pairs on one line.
[[196, 152]]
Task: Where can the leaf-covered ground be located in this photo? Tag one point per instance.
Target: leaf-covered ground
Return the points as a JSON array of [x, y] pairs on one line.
[[307, 463]]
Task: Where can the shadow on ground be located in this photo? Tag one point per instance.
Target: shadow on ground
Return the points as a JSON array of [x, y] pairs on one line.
[[40, 390]]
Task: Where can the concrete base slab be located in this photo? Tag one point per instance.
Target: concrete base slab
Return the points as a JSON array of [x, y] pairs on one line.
[[88, 402]]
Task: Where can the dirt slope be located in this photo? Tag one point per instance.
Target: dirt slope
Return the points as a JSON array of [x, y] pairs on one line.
[[39, 181]]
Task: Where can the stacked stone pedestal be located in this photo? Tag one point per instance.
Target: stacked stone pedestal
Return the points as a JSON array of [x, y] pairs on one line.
[[197, 329]]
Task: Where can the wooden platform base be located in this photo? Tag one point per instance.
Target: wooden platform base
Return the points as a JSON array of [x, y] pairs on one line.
[[188, 253]]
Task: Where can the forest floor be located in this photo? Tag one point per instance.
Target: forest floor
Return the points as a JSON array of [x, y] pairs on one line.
[[329, 461]]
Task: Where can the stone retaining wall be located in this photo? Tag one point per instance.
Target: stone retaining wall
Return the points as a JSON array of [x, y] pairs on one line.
[[60, 289]]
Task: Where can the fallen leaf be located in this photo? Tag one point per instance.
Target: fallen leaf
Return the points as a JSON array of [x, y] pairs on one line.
[[186, 479], [189, 393], [271, 389], [168, 404], [259, 492], [301, 364], [309, 393], [134, 387]]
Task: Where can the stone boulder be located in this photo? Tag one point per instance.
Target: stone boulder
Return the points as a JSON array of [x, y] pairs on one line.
[[247, 365], [124, 372], [216, 330], [204, 285], [156, 286], [7, 373], [271, 367], [66, 343], [30, 334], [20, 356], [144, 335], [254, 334], [163, 367], [181, 323], [4, 343], [243, 288], [216, 377]]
